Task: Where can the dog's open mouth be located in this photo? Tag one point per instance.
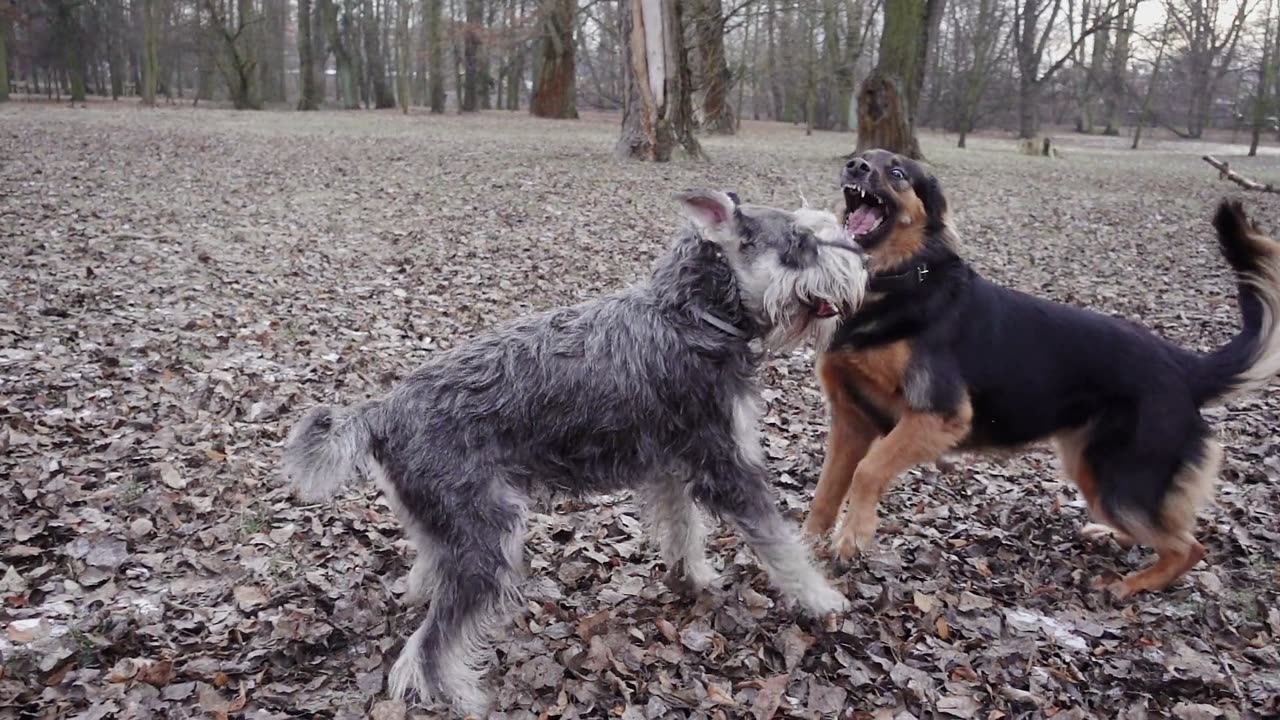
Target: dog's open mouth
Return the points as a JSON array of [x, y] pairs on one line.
[[865, 213], [822, 309]]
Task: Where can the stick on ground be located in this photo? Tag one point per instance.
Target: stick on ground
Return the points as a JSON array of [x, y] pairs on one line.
[[1225, 172]]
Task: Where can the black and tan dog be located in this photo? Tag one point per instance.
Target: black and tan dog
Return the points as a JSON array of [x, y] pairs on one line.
[[939, 359]]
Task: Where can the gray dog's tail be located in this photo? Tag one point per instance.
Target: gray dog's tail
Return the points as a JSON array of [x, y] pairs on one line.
[[326, 449]]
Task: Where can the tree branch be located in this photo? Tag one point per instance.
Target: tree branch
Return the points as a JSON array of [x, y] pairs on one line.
[[1226, 173]]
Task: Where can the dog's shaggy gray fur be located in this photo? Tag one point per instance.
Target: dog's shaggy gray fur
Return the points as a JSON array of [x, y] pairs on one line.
[[651, 388]]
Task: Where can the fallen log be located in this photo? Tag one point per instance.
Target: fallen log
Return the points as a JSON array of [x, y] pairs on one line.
[[1226, 173]]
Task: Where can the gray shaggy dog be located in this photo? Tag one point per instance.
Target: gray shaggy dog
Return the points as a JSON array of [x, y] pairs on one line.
[[652, 389]]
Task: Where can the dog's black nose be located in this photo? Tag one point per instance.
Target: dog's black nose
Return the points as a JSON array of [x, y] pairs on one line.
[[857, 166]]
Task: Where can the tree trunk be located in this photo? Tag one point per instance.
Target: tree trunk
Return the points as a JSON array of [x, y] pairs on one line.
[[150, 53], [5, 25], [845, 75], [1028, 107], [208, 42], [471, 56], [341, 56], [376, 64], [776, 96], [420, 56], [403, 51], [717, 113], [889, 96], [554, 85], [1262, 99], [810, 76], [309, 99], [485, 86], [270, 50], [515, 70], [1117, 78], [749, 50], [1151, 87], [657, 102], [436, 56], [70, 35], [244, 58], [1091, 70], [459, 76]]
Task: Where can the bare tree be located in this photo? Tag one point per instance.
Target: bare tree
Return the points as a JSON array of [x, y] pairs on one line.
[[1114, 88], [1210, 49], [340, 44], [1090, 62], [1262, 98], [554, 85], [435, 62], [7, 11], [980, 31], [375, 62], [1033, 23], [150, 52], [1145, 112], [889, 96], [309, 93], [270, 50], [708, 30], [404, 48], [471, 57], [658, 105], [238, 64]]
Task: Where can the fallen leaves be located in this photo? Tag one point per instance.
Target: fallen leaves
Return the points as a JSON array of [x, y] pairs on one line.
[[176, 297]]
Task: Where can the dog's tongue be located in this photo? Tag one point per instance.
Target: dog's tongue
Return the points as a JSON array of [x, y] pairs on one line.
[[863, 220]]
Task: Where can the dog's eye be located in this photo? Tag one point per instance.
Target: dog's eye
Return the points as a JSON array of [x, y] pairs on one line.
[[898, 173]]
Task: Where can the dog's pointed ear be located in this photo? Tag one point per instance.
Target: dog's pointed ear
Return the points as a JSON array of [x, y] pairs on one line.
[[708, 209], [930, 193]]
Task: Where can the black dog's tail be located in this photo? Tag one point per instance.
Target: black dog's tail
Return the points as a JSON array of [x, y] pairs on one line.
[[1252, 358], [326, 449]]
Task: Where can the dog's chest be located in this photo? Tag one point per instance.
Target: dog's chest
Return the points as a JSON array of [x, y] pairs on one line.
[[870, 380]]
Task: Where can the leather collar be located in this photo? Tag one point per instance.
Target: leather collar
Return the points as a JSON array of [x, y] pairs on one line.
[[913, 277]]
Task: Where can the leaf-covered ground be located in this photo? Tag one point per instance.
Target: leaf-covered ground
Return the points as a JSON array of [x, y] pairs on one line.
[[178, 285]]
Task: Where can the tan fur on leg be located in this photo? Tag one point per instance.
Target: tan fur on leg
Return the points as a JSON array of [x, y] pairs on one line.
[[1178, 549], [847, 442], [917, 438]]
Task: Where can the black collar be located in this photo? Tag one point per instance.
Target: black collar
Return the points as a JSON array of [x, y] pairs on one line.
[[913, 277]]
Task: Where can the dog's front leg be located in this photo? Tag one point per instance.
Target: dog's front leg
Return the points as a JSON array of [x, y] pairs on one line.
[[918, 437], [744, 497], [848, 439], [679, 533]]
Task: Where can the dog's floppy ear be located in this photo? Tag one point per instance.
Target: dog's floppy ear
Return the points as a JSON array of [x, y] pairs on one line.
[[708, 209], [929, 191]]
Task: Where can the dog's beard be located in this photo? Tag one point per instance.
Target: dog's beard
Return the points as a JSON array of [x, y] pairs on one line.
[[789, 298]]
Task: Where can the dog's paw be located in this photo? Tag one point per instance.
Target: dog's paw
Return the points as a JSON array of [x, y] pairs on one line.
[[854, 541], [1099, 533], [815, 527], [825, 601], [690, 580], [1117, 588]]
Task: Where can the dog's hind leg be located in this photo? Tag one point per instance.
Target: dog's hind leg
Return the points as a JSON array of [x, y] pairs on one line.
[[1168, 527], [1071, 446], [679, 533], [423, 575], [477, 574]]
